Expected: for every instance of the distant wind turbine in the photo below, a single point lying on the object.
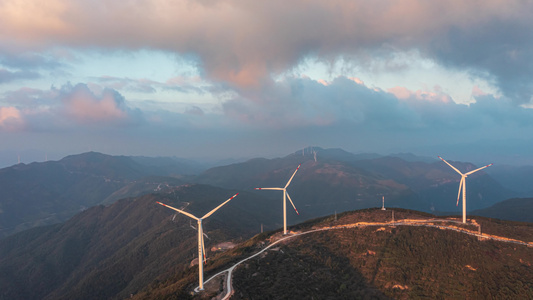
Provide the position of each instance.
(285, 196)
(462, 184)
(201, 246)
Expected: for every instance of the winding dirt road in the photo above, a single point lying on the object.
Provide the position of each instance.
(423, 223)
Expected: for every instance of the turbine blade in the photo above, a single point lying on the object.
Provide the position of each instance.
(451, 165)
(216, 208)
(275, 189)
(178, 210)
(459, 193)
(478, 169)
(289, 182)
(292, 203)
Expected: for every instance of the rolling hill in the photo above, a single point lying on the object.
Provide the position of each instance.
(111, 252)
(137, 248)
(46, 193)
(516, 209)
(372, 262)
(388, 263)
(51, 192)
(134, 248)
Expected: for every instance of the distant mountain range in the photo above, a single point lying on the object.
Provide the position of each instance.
(518, 179)
(105, 236)
(339, 181)
(51, 192)
(516, 209)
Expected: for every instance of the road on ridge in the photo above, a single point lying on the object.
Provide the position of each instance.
(229, 271)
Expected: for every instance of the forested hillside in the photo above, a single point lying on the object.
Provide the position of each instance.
(111, 252)
(376, 262)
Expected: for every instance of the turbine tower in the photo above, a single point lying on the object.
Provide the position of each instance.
(285, 196)
(462, 185)
(201, 247)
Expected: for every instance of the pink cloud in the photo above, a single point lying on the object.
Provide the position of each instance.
(10, 119)
(437, 95)
(64, 107)
(34, 22)
(476, 92)
(356, 80)
(243, 42)
(323, 82)
(400, 92)
(82, 106)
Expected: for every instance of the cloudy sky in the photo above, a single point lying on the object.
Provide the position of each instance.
(241, 78)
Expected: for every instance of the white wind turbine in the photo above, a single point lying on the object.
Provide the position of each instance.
(285, 196)
(462, 184)
(201, 247)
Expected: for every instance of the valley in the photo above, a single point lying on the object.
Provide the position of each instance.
(110, 239)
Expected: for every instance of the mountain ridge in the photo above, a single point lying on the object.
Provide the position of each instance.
(379, 262)
(135, 246)
(51, 192)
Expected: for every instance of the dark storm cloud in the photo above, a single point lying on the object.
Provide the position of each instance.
(501, 49)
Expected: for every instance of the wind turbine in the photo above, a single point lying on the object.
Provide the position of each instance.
(285, 196)
(192, 226)
(201, 247)
(462, 184)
